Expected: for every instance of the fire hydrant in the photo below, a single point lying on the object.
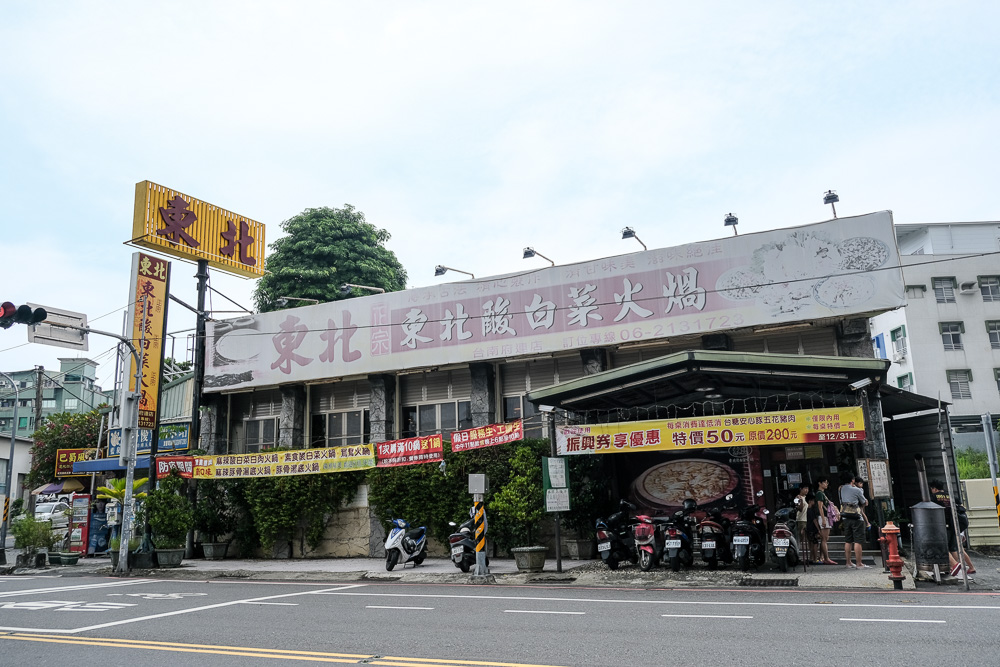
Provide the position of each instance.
(890, 535)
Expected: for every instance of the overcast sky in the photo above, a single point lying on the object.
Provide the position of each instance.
(471, 130)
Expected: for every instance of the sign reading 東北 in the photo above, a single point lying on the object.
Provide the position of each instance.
(422, 449)
(487, 436)
(147, 315)
(846, 267)
(270, 464)
(746, 430)
(177, 224)
(65, 458)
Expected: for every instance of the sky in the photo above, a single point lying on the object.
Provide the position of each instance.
(472, 130)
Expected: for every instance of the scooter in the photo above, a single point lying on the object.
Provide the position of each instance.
(749, 536)
(714, 531)
(679, 530)
(614, 537)
(648, 535)
(404, 545)
(784, 545)
(463, 542)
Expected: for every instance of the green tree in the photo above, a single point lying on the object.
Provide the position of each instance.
(63, 430)
(325, 248)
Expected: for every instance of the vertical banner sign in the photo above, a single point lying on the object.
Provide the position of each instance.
(147, 304)
(555, 484)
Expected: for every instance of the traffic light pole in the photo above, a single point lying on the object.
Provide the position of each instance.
(10, 469)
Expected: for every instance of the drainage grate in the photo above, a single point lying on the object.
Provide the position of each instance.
(749, 581)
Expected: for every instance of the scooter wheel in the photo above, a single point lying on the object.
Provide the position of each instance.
(464, 566)
(391, 559)
(675, 564)
(612, 563)
(713, 564)
(645, 561)
(744, 561)
(417, 560)
(783, 563)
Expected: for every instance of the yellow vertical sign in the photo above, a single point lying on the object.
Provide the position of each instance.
(147, 315)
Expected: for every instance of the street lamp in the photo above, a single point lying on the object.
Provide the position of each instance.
(629, 233)
(731, 221)
(283, 300)
(831, 198)
(346, 288)
(531, 252)
(441, 269)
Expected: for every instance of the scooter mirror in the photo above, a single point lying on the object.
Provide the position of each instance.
(452, 523)
(729, 497)
(767, 512)
(760, 493)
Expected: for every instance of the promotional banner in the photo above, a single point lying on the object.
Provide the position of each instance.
(270, 464)
(845, 267)
(422, 449)
(147, 314)
(487, 436)
(747, 430)
(65, 458)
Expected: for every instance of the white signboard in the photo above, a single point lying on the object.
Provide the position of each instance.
(557, 472)
(839, 268)
(878, 478)
(557, 500)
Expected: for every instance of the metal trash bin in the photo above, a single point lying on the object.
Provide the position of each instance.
(930, 535)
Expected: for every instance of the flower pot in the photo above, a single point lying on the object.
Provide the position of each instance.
(114, 559)
(55, 558)
(215, 550)
(169, 557)
(68, 557)
(141, 560)
(581, 549)
(529, 559)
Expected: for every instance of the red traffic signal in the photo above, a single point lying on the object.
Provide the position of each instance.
(7, 312)
(10, 314)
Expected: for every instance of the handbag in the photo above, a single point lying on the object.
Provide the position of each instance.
(832, 514)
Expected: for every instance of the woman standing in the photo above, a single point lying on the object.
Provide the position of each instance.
(824, 523)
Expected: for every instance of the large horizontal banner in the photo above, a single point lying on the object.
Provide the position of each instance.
(422, 449)
(65, 458)
(763, 428)
(840, 268)
(270, 464)
(487, 436)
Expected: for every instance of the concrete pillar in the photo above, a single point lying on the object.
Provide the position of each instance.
(483, 393)
(875, 446)
(382, 407)
(291, 421)
(212, 424)
(595, 360)
(854, 338)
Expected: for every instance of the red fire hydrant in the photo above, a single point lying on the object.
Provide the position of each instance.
(890, 535)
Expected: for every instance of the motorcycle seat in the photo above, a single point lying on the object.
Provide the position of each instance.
(416, 533)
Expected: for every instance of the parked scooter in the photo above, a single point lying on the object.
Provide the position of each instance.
(648, 534)
(679, 536)
(750, 536)
(404, 545)
(784, 543)
(615, 542)
(463, 542)
(715, 533)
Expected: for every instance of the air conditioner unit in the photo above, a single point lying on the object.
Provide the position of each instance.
(970, 287)
(898, 357)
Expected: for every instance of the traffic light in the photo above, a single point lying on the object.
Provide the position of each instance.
(11, 314)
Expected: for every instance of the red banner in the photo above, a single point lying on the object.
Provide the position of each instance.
(423, 449)
(65, 458)
(184, 465)
(487, 436)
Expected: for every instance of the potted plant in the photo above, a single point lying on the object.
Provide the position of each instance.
(114, 491)
(519, 504)
(170, 517)
(35, 538)
(214, 516)
(114, 546)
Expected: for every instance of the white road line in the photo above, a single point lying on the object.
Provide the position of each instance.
(277, 604)
(701, 616)
(814, 605)
(889, 620)
(375, 606)
(139, 619)
(529, 611)
(81, 587)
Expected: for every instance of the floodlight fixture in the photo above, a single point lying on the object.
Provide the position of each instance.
(629, 233)
(831, 198)
(347, 287)
(731, 221)
(531, 252)
(441, 269)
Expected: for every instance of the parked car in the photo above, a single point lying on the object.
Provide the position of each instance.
(53, 512)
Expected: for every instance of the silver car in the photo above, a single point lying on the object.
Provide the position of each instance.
(54, 512)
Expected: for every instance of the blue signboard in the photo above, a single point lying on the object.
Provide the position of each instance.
(173, 438)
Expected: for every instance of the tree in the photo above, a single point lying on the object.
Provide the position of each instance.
(63, 430)
(325, 248)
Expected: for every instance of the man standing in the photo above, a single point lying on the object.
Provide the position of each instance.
(940, 496)
(852, 503)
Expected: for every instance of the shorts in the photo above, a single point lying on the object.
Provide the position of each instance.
(952, 542)
(854, 531)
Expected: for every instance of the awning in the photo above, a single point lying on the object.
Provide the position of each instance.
(66, 486)
(106, 465)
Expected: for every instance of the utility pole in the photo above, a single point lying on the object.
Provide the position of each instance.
(39, 373)
(10, 469)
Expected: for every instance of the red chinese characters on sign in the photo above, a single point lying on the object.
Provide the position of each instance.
(184, 465)
(423, 449)
(65, 458)
(487, 436)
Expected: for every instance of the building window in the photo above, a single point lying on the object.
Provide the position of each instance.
(22, 422)
(431, 418)
(996, 376)
(898, 337)
(993, 330)
(944, 290)
(48, 403)
(915, 291)
(25, 403)
(7, 403)
(905, 382)
(951, 334)
(989, 286)
(350, 427)
(261, 434)
(959, 381)
(71, 404)
(516, 407)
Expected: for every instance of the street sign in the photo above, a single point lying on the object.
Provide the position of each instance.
(555, 484)
(46, 333)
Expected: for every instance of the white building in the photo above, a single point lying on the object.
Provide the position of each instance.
(946, 340)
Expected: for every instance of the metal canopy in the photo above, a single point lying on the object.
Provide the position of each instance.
(707, 377)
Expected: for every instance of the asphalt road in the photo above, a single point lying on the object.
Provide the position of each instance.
(92, 620)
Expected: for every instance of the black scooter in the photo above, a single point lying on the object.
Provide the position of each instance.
(614, 537)
(750, 536)
(463, 543)
(679, 536)
(715, 532)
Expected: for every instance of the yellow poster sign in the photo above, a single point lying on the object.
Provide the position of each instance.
(275, 464)
(793, 427)
(148, 317)
(177, 224)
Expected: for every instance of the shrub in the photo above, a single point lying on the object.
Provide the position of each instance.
(972, 463)
(169, 513)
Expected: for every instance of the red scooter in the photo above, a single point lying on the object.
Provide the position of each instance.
(647, 533)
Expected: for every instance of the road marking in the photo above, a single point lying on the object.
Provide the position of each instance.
(277, 604)
(81, 587)
(139, 619)
(814, 605)
(530, 611)
(375, 606)
(889, 620)
(700, 616)
(251, 652)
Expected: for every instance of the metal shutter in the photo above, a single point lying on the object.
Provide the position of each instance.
(820, 341)
(787, 343)
(266, 403)
(514, 378)
(748, 343)
(337, 396)
(461, 384)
